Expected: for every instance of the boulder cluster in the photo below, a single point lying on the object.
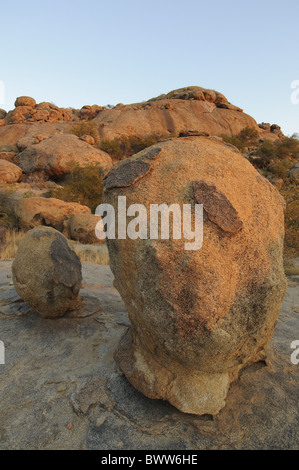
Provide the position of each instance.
(198, 316)
(27, 110)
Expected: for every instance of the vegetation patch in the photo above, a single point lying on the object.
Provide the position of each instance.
(87, 128)
(82, 185)
(247, 137)
(124, 147)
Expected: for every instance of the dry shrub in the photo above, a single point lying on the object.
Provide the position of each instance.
(82, 185)
(95, 254)
(10, 244)
(87, 128)
(247, 137)
(124, 147)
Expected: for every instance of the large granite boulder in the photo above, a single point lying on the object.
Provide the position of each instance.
(57, 155)
(167, 115)
(25, 101)
(47, 272)
(81, 227)
(3, 113)
(9, 172)
(197, 316)
(34, 211)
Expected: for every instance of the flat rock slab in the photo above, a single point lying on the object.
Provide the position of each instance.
(60, 387)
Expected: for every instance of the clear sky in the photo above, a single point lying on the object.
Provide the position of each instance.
(77, 52)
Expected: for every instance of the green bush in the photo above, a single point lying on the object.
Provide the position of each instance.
(87, 128)
(266, 153)
(284, 150)
(82, 185)
(124, 147)
(287, 147)
(280, 168)
(247, 137)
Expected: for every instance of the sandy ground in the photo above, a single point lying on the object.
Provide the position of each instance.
(60, 387)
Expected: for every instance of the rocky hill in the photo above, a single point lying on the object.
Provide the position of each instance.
(41, 145)
(166, 115)
(54, 163)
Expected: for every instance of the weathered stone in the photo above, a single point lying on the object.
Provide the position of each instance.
(294, 171)
(81, 227)
(57, 155)
(218, 207)
(198, 317)
(150, 155)
(275, 129)
(192, 132)
(25, 101)
(88, 112)
(265, 126)
(47, 272)
(39, 115)
(18, 115)
(34, 211)
(126, 174)
(3, 113)
(9, 172)
(195, 108)
(88, 139)
(25, 142)
(229, 106)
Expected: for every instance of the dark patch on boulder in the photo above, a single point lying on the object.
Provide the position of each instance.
(218, 207)
(41, 234)
(152, 154)
(126, 174)
(193, 132)
(67, 265)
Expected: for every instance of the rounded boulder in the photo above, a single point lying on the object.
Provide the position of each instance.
(198, 315)
(47, 272)
(25, 101)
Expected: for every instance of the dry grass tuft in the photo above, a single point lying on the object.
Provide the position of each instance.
(10, 244)
(95, 254)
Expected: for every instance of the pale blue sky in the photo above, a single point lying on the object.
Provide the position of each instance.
(105, 52)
